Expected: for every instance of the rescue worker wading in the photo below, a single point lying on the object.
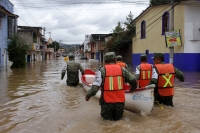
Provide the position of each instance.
(72, 69)
(111, 78)
(163, 76)
(143, 71)
(120, 62)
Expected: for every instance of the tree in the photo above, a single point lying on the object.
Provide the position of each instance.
(118, 28)
(54, 45)
(17, 49)
(157, 2)
(122, 37)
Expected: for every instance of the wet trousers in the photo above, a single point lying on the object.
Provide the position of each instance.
(112, 111)
(71, 84)
(166, 100)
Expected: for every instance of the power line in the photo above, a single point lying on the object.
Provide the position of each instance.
(45, 32)
(50, 7)
(44, 5)
(148, 30)
(62, 12)
(155, 21)
(85, 2)
(69, 17)
(28, 12)
(155, 15)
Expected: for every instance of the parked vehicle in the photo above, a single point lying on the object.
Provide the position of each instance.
(64, 55)
(83, 58)
(58, 54)
(93, 61)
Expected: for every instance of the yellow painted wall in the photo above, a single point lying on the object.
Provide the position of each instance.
(154, 41)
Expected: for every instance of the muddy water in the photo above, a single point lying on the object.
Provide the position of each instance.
(35, 100)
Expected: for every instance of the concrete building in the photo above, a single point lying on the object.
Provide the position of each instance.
(151, 26)
(95, 46)
(8, 23)
(35, 40)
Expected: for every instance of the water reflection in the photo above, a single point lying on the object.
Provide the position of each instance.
(192, 80)
(35, 100)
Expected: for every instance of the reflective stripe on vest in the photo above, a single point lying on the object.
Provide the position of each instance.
(145, 74)
(166, 75)
(167, 80)
(113, 84)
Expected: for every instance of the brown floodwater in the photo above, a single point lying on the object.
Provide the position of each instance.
(35, 100)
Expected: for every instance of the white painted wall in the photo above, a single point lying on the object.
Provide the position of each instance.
(192, 26)
(87, 39)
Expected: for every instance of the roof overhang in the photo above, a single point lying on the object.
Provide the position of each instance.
(5, 11)
(183, 2)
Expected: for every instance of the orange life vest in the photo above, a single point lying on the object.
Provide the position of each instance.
(113, 85)
(121, 64)
(145, 74)
(166, 75)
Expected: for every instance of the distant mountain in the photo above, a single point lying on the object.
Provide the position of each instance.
(69, 47)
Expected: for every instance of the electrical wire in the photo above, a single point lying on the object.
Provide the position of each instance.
(91, 30)
(155, 15)
(155, 21)
(34, 20)
(69, 17)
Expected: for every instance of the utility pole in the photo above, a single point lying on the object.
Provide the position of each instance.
(61, 47)
(55, 50)
(171, 55)
(43, 55)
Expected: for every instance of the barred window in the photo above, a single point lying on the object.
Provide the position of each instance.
(12, 23)
(143, 29)
(165, 22)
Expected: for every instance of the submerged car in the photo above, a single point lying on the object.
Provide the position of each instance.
(83, 58)
(93, 61)
(64, 55)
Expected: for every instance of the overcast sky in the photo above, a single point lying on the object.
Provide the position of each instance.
(69, 20)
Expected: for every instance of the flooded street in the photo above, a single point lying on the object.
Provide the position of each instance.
(36, 100)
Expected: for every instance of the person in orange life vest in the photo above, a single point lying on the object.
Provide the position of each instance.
(120, 62)
(143, 71)
(110, 78)
(163, 76)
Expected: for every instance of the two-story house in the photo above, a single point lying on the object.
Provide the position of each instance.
(8, 23)
(125, 52)
(152, 24)
(96, 46)
(85, 43)
(35, 40)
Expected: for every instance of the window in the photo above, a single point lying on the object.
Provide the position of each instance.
(165, 22)
(143, 29)
(12, 23)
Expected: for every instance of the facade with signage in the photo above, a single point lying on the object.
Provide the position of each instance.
(153, 34)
